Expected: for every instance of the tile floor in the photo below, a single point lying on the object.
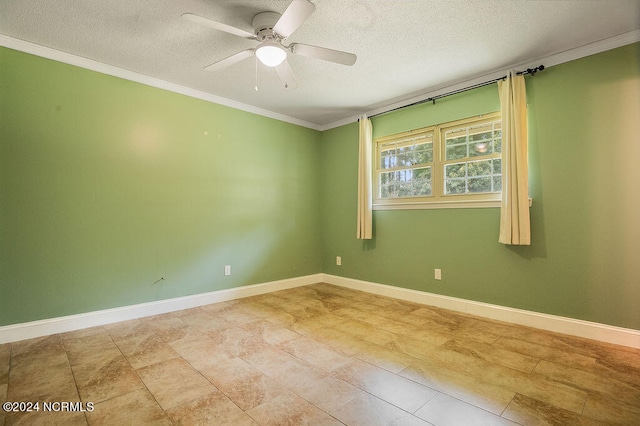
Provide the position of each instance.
(321, 355)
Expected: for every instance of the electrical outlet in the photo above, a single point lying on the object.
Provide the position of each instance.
(339, 260)
(227, 269)
(437, 274)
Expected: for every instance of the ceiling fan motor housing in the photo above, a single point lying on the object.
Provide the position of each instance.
(263, 24)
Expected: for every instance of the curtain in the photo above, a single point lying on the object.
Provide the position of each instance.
(364, 180)
(514, 209)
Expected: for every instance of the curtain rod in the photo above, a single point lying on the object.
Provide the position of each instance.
(531, 71)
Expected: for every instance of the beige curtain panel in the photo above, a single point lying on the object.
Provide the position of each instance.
(364, 180)
(514, 209)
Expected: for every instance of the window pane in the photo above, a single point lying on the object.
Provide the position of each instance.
(480, 148)
(497, 166)
(498, 144)
(497, 183)
(482, 184)
(423, 153)
(484, 136)
(455, 186)
(386, 178)
(422, 181)
(455, 140)
(385, 191)
(479, 168)
(388, 159)
(456, 151)
(405, 156)
(404, 189)
(457, 170)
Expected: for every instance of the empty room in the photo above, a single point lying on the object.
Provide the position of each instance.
(320, 212)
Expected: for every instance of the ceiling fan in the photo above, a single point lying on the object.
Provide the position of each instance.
(271, 30)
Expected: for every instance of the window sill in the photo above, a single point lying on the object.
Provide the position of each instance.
(427, 205)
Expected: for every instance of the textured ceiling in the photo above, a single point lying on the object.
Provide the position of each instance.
(404, 47)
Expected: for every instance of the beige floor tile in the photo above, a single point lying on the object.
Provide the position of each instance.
(338, 340)
(202, 353)
(315, 353)
(134, 408)
(531, 412)
(367, 410)
(215, 409)
(39, 379)
(3, 398)
(270, 313)
(240, 314)
(500, 356)
(38, 418)
(296, 375)
(144, 351)
(168, 327)
(216, 307)
(589, 382)
(330, 393)
(610, 410)
(5, 356)
(387, 386)
(105, 380)
(264, 356)
(537, 387)
(95, 349)
(191, 341)
(230, 340)
(124, 330)
(427, 351)
(244, 384)
(83, 333)
(454, 383)
(377, 321)
(382, 357)
(36, 350)
(559, 356)
(290, 409)
(203, 319)
(443, 410)
(322, 354)
(269, 332)
(175, 382)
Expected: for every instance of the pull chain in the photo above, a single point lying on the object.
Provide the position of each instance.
(256, 73)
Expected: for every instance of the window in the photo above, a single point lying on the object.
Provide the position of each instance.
(451, 163)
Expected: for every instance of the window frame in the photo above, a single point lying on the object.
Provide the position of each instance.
(438, 198)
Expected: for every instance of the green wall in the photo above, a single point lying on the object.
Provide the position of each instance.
(107, 185)
(584, 154)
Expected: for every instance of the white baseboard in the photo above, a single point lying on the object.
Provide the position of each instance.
(558, 324)
(29, 330)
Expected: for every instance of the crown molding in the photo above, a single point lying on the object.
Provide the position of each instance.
(548, 61)
(90, 64)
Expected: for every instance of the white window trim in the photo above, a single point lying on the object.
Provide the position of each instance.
(443, 201)
(446, 204)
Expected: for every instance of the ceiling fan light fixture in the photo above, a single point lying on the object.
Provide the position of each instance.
(271, 53)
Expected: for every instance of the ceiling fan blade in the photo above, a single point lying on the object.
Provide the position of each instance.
(323, 53)
(230, 60)
(297, 12)
(218, 25)
(286, 75)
